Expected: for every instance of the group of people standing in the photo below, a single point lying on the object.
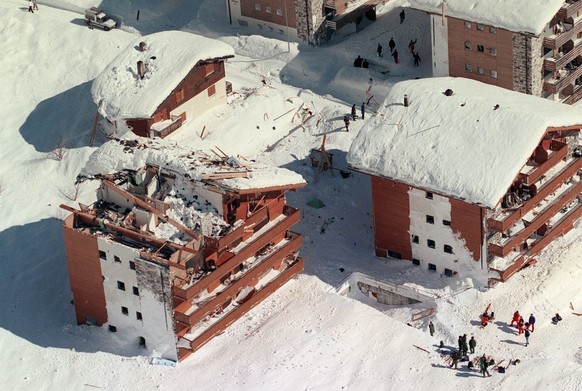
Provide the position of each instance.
(394, 52)
(522, 326)
(353, 115)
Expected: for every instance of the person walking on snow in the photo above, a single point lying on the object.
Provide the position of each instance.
(402, 16)
(354, 112)
(515, 318)
(472, 344)
(460, 342)
(416, 58)
(431, 328)
(465, 349)
(363, 109)
(30, 7)
(411, 46)
(456, 357)
(483, 364)
(395, 55)
(520, 326)
(527, 334)
(532, 322)
(391, 44)
(34, 5)
(347, 122)
(379, 50)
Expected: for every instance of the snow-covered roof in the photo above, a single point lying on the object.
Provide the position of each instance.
(530, 16)
(170, 55)
(118, 155)
(469, 146)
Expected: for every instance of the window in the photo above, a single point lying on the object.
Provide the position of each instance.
(211, 90)
(480, 48)
(138, 315)
(116, 259)
(268, 10)
(493, 51)
(142, 342)
(479, 27)
(481, 71)
(135, 290)
(446, 222)
(416, 262)
(492, 30)
(260, 26)
(124, 311)
(279, 12)
(430, 243)
(448, 272)
(257, 6)
(121, 285)
(429, 219)
(432, 267)
(448, 249)
(468, 45)
(468, 68)
(102, 255)
(429, 195)
(179, 95)
(112, 328)
(415, 239)
(468, 25)
(394, 254)
(132, 265)
(493, 74)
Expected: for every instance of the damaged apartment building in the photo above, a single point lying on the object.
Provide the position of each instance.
(179, 245)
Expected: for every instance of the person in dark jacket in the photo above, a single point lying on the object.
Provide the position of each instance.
(465, 349)
(456, 357)
(379, 50)
(483, 365)
(472, 344)
(363, 109)
(347, 122)
(527, 334)
(391, 44)
(411, 45)
(416, 58)
(460, 342)
(532, 322)
(395, 55)
(431, 328)
(402, 16)
(354, 112)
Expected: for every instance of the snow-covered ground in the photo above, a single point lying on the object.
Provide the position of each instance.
(306, 336)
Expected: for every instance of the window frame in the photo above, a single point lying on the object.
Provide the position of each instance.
(430, 243)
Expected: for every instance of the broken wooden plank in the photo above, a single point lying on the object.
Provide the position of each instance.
(418, 347)
(225, 175)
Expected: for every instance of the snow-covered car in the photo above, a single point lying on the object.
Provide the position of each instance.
(94, 17)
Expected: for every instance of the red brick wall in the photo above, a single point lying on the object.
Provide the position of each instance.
(248, 9)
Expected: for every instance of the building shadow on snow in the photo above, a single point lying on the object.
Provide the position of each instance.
(65, 119)
(503, 326)
(36, 300)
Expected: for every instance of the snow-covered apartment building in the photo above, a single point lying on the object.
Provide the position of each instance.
(161, 80)
(313, 21)
(470, 179)
(528, 46)
(179, 244)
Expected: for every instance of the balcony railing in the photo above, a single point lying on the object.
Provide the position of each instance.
(554, 86)
(559, 152)
(569, 9)
(557, 40)
(575, 97)
(558, 62)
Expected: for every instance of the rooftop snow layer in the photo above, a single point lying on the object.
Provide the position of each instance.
(170, 55)
(117, 155)
(461, 145)
(530, 16)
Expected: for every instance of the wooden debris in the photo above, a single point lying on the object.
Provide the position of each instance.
(225, 175)
(282, 115)
(202, 134)
(418, 347)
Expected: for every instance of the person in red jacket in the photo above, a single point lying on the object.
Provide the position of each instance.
(520, 326)
(515, 318)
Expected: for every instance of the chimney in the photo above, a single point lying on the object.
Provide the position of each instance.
(142, 46)
(405, 100)
(140, 69)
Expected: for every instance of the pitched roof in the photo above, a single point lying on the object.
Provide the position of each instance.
(170, 55)
(461, 146)
(530, 16)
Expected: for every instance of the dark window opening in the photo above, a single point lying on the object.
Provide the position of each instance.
(429, 219)
(112, 328)
(432, 267)
(480, 48)
(448, 249)
(416, 262)
(138, 315)
(124, 311)
(448, 272)
(142, 342)
(135, 291)
(429, 195)
(430, 243)
(132, 265)
(116, 259)
(415, 239)
(102, 255)
(394, 254)
(121, 285)
(446, 222)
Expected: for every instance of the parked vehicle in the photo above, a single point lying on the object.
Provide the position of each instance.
(94, 17)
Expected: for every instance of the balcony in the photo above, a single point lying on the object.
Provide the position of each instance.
(556, 41)
(509, 217)
(565, 78)
(569, 9)
(264, 236)
(575, 97)
(560, 61)
(558, 151)
(503, 247)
